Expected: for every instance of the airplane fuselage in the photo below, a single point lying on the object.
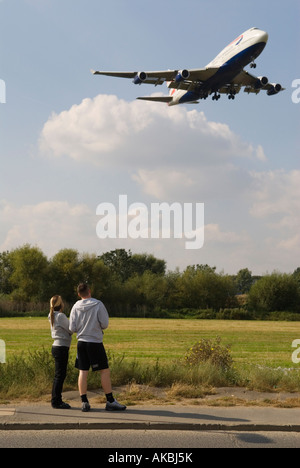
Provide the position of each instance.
(230, 62)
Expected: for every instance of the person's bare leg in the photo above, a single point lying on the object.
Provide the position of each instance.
(106, 381)
(82, 382)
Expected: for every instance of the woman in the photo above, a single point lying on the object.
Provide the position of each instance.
(60, 350)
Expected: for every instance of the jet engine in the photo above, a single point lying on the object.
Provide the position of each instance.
(140, 78)
(182, 75)
(261, 82)
(276, 88)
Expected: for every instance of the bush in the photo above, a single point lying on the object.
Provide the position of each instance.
(283, 316)
(275, 292)
(209, 351)
(234, 314)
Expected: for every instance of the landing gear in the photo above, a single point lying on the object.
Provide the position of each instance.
(232, 94)
(253, 64)
(216, 97)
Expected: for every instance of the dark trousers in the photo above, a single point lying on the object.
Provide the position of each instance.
(61, 356)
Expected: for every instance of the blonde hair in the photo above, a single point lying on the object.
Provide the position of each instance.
(56, 304)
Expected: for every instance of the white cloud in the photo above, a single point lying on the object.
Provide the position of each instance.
(277, 198)
(110, 132)
(178, 155)
(164, 184)
(51, 225)
(171, 153)
(213, 233)
(194, 183)
(291, 244)
(260, 154)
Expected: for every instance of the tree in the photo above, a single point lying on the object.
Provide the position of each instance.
(118, 261)
(29, 270)
(140, 263)
(147, 289)
(275, 292)
(296, 275)
(202, 288)
(93, 271)
(243, 281)
(124, 265)
(5, 273)
(65, 274)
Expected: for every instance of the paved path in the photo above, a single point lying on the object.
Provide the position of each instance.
(42, 416)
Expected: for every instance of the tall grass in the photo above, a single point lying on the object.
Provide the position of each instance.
(31, 376)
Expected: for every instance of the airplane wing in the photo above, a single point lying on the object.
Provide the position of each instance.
(156, 78)
(159, 77)
(254, 84)
(192, 81)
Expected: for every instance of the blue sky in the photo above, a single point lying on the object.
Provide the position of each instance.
(70, 141)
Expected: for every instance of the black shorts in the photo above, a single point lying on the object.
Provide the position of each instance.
(91, 355)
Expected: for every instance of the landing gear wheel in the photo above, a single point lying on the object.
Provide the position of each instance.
(232, 94)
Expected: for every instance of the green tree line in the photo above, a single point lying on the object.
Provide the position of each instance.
(139, 284)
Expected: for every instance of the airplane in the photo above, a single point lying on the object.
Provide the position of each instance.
(224, 75)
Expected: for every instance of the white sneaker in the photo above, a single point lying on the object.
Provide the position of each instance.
(115, 406)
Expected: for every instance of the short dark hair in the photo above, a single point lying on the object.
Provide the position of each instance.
(83, 289)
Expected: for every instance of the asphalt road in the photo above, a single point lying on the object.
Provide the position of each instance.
(135, 439)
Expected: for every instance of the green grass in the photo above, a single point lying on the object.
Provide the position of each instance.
(151, 352)
(266, 343)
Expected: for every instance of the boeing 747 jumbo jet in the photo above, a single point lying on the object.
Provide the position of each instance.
(224, 75)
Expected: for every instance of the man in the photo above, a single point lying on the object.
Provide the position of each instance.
(88, 319)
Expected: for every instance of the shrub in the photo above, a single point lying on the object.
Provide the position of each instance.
(209, 351)
(275, 292)
(234, 314)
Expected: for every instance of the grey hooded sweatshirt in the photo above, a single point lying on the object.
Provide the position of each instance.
(88, 318)
(60, 332)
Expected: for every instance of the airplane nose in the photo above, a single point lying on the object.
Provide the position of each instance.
(264, 36)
